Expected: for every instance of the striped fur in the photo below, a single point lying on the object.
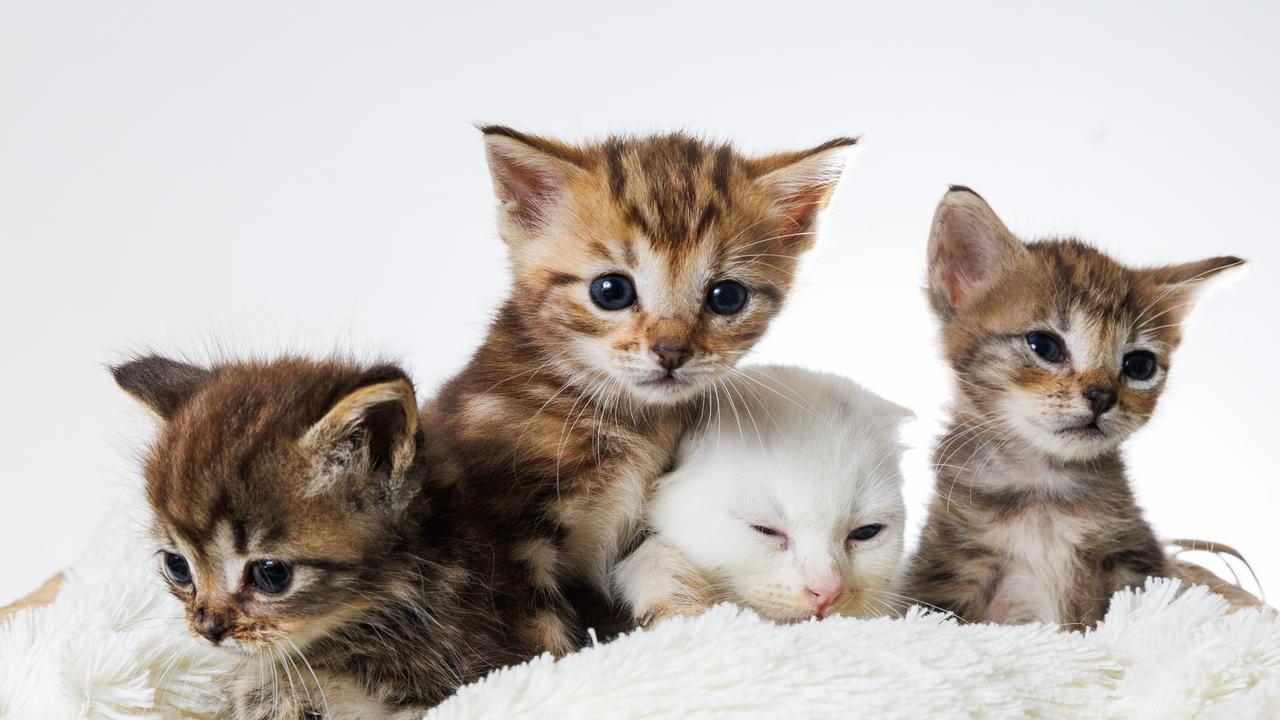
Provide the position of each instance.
(564, 415)
(1033, 518)
(399, 595)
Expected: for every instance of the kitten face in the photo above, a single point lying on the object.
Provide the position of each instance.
(648, 266)
(274, 489)
(1052, 342)
(804, 518)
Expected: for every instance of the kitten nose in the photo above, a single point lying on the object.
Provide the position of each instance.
(671, 354)
(213, 626)
(822, 595)
(1100, 399)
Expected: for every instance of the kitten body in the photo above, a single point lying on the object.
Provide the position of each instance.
(297, 527)
(788, 500)
(1059, 354)
(642, 270)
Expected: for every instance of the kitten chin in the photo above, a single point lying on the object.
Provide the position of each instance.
(296, 523)
(787, 501)
(1059, 353)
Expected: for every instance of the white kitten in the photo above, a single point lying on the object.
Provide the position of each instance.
(789, 502)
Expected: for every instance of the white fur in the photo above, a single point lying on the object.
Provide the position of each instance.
(809, 455)
(102, 650)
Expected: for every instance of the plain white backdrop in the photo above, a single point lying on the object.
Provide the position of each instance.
(253, 177)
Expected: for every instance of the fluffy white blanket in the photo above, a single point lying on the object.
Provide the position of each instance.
(113, 646)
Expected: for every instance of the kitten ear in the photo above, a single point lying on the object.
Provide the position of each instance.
(801, 183)
(163, 385)
(900, 414)
(372, 431)
(1183, 283)
(969, 248)
(1193, 274)
(530, 174)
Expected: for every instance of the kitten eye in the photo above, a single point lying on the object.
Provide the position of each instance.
(727, 297)
(176, 567)
(270, 576)
(866, 532)
(1046, 346)
(613, 292)
(766, 531)
(1140, 365)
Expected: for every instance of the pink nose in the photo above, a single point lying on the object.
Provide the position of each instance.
(823, 595)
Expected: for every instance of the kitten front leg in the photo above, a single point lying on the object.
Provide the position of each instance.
(262, 690)
(657, 582)
(285, 696)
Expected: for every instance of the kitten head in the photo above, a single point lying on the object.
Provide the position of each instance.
(652, 264)
(793, 506)
(1053, 342)
(275, 488)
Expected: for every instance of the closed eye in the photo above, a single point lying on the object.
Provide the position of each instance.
(866, 532)
(765, 530)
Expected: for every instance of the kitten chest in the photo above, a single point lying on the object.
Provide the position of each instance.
(1039, 565)
(608, 510)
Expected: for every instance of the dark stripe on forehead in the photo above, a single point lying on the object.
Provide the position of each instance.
(219, 510)
(637, 220)
(709, 215)
(629, 252)
(241, 534)
(692, 152)
(617, 177)
(720, 172)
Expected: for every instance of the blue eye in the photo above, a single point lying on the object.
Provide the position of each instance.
(727, 297)
(866, 532)
(613, 292)
(176, 567)
(1046, 346)
(270, 576)
(1140, 365)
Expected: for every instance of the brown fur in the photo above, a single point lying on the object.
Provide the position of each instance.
(554, 426)
(1033, 519)
(399, 594)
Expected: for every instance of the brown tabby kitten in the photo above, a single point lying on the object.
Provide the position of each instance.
(1059, 354)
(643, 269)
(289, 505)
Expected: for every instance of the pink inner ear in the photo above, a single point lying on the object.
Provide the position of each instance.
(526, 189)
(801, 207)
(969, 247)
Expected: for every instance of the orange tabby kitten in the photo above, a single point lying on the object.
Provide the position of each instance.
(1059, 353)
(643, 269)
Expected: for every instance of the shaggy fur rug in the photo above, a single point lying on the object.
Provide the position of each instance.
(113, 645)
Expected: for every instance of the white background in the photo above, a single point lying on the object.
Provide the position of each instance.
(264, 176)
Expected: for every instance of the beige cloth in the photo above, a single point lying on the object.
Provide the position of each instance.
(43, 596)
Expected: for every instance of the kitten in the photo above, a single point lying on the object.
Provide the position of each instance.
(791, 506)
(1059, 353)
(642, 270)
(289, 506)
